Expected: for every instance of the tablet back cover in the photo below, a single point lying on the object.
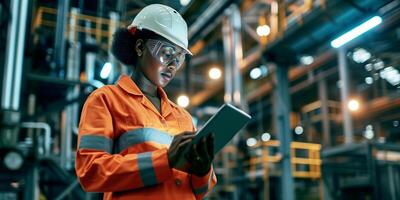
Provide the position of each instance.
(224, 124)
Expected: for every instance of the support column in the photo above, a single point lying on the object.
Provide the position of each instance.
(282, 123)
(60, 43)
(71, 112)
(344, 93)
(233, 54)
(323, 97)
(114, 19)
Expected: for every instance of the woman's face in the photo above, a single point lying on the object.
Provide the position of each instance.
(155, 52)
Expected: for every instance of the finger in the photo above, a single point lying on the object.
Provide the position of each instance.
(202, 150)
(187, 133)
(179, 138)
(184, 143)
(193, 154)
(185, 137)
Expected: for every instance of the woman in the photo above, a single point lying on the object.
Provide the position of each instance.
(132, 139)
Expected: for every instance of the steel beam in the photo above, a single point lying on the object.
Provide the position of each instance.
(344, 93)
(60, 43)
(282, 123)
(323, 96)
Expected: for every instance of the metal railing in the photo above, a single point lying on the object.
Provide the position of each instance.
(100, 28)
(306, 161)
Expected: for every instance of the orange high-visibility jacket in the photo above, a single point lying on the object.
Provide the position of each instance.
(123, 142)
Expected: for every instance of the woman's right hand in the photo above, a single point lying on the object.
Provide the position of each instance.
(178, 145)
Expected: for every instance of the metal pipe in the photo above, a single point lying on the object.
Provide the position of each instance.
(47, 133)
(237, 55)
(72, 92)
(227, 40)
(10, 56)
(19, 55)
(114, 23)
(59, 54)
(344, 93)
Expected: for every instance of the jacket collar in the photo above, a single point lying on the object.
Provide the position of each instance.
(129, 86)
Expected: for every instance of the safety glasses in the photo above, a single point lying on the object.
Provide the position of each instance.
(166, 53)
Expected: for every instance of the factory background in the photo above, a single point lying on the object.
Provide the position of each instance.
(320, 79)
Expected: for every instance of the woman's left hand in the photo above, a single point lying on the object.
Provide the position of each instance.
(201, 156)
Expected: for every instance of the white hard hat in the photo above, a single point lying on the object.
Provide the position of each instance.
(164, 21)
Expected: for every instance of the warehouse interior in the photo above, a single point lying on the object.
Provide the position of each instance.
(320, 79)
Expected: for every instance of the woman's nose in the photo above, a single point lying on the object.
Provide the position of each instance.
(172, 66)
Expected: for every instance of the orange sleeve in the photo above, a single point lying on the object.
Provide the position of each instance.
(99, 170)
(202, 185)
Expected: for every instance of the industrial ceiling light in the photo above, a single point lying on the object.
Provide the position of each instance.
(259, 72)
(379, 64)
(369, 132)
(251, 142)
(298, 130)
(369, 67)
(391, 75)
(353, 105)
(255, 73)
(215, 73)
(306, 60)
(183, 101)
(361, 55)
(263, 30)
(265, 137)
(106, 70)
(369, 80)
(13, 160)
(184, 2)
(357, 31)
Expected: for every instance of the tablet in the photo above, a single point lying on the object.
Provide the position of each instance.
(228, 121)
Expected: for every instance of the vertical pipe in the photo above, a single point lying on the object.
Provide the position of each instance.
(90, 56)
(344, 93)
(226, 32)
(282, 120)
(71, 111)
(237, 55)
(114, 19)
(59, 54)
(10, 56)
(19, 55)
(323, 96)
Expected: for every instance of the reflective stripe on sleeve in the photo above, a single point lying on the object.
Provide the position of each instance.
(96, 142)
(142, 135)
(146, 169)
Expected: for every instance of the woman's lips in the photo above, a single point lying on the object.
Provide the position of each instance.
(166, 76)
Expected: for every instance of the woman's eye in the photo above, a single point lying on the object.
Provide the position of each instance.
(169, 51)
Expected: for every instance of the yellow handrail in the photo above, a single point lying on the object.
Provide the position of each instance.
(100, 27)
(312, 158)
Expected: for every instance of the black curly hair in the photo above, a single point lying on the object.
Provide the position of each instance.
(123, 45)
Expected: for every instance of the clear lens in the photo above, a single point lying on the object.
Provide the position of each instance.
(165, 53)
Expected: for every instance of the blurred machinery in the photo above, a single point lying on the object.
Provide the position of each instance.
(326, 119)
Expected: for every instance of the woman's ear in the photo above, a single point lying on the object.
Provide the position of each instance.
(139, 47)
